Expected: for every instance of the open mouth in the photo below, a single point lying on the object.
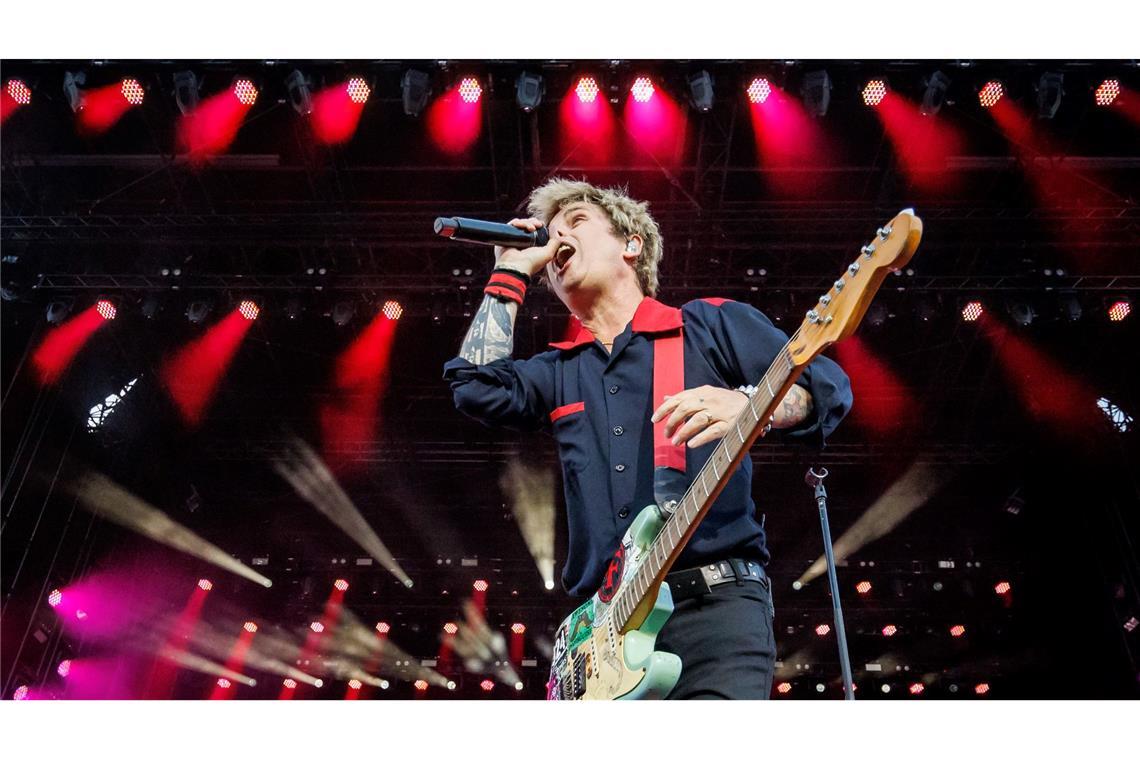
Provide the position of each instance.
(562, 257)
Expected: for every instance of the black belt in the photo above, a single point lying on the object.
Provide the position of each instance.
(686, 584)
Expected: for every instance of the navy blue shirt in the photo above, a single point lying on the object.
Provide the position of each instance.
(597, 406)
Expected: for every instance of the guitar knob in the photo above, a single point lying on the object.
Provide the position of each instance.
(853, 268)
(868, 250)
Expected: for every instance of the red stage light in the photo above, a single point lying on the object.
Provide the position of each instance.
(642, 89)
(451, 629)
(981, 688)
(205, 585)
(1107, 92)
(251, 627)
(518, 628)
(317, 627)
(55, 597)
(289, 683)
(917, 688)
(1119, 310)
(470, 90)
(971, 311)
(784, 688)
(358, 90)
(890, 630)
(224, 683)
(20, 694)
(19, 92)
(587, 90)
(863, 587)
(341, 585)
(480, 585)
(874, 92)
(245, 91)
(421, 685)
(487, 684)
(990, 93)
(393, 310)
(249, 310)
(133, 92)
(823, 629)
(957, 631)
(106, 310)
(383, 627)
(354, 684)
(759, 90)
(1002, 588)
(64, 668)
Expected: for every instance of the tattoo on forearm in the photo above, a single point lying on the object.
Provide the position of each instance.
(492, 332)
(795, 408)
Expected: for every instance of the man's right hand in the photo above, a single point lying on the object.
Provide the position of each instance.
(529, 261)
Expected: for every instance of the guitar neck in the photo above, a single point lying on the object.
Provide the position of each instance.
(706, 486)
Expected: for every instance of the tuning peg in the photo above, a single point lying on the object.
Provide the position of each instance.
(868, 250)
(884, 232)
(853, 268)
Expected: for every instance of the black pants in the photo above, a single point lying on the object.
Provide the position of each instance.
(725, 641)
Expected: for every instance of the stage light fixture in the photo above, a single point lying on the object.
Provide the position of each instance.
(518, 685)
(1119, 418)
(878, 314)
(72, 82)
(197, 311)
(784, 688)
(358, 90)
(822, 629)
(874, 92)
(917, 688)
(972, 311)
(416, 89)
(289, 683)
(249, 310)
(355, 684)
(486, 684)
(1050, 90)
(1118, 310)
(186, 91)
(20, 694)
(642, 89)
(393, 310)
(343, 312)
(1107, 92)
(293, 309)
(587, 90)
(450, 629)
(299, 92)
(250, 627)
(480, 585)
(529, 89)
(341, 584)
(469, 90)
(205, 584)
(224, 683)
(518, 628)
(863, 587)
(758, 90)
(1002, 587)
(982, 688)
(317, 627)
(958, 631)
(701, 91)
(1020, 312)
(421, 685)
(1070, 307)
(57, 311)
(19, 92)
(889, 630)
(133, 92)
(990, 93)
(245, 91)
(935, 93)
(55, 597)
(815, 91)
(64, 668)
(106, 309)
(383, 627)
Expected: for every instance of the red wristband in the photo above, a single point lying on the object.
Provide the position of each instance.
(507, 285)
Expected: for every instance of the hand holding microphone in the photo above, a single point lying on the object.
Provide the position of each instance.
(521, 244)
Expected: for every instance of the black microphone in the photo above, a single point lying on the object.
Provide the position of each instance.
(489, 233)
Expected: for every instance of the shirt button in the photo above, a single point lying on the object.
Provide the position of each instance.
(619, 430)
(624, 513)
(620, 468)
(613, 389)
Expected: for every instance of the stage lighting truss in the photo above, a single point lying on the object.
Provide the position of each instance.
(1050, 90)
(300, 93)
(186, 91)
(72, 82)
(815, 91)
(701, 91)
(416, 89)
(934, 94)
(529, 89)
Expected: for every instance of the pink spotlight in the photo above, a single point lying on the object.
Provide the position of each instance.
(874, 92)
(249, 310)
(1107, 92)
(20, 694)
(55, 597)
(383, 627)
(642, 89)
(587, 90)
(470, 90)
(890, 630)
(106, 310)
(421, 685)
(784, 688)
(64, 668)
(317, 627)
(480, 585)
(450, 629)
(1002, 588)
(289, 683)
(205, 585)
(990, 93)
(245, 91)
(982, 688)
(863, 587)
(518, 628)
(822, 629)
(251, 627)
(972, 311)
(341, 585)
(19, 92)
(917, 688)
(355, 684)
(1119, 310)
(224, 683)
(958, 630)
(133, 92)
(393, 310)
(358, 90)
(759, 90)
(486, 684)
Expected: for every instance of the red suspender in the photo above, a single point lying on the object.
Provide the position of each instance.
(668, 380)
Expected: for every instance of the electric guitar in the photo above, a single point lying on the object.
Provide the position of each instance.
(605, 648)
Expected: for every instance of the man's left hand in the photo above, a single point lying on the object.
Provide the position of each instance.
(700, 415)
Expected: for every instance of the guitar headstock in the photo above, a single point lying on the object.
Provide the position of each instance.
(838, 312)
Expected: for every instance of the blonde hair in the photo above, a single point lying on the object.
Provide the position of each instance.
(627, 217)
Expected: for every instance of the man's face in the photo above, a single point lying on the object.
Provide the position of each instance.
(592, 255)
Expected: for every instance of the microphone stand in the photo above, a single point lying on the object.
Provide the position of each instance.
(815, 479)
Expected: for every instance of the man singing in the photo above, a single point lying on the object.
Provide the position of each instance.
(594, 394)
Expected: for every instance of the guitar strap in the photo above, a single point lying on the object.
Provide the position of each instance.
(668, 380)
